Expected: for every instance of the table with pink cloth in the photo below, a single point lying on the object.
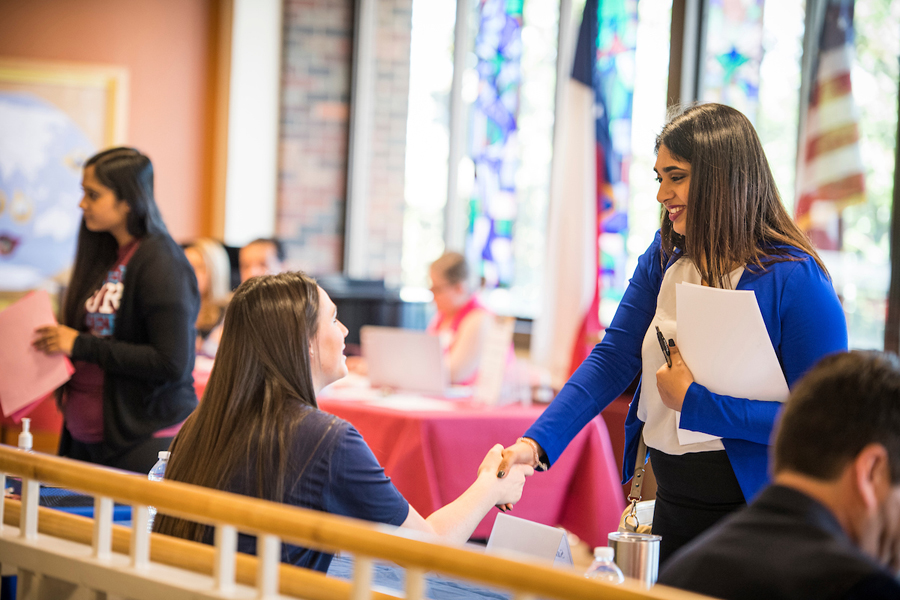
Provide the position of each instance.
(433, 455)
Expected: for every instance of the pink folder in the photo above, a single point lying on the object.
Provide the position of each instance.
(26, 375)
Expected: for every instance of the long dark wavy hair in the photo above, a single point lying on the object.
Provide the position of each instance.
(259, 391)
(129, 174)
(735, 212)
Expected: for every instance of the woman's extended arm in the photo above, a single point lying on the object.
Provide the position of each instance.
(357, 487)
(605, 373)
(455, 522)
(811, 324)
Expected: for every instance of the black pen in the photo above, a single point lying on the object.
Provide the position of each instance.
(664, 346)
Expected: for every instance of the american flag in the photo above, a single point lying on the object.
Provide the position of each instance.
(830, 173)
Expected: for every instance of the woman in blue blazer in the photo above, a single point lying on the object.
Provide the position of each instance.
(723, 225)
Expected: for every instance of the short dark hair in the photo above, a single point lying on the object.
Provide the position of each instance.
(452, 265)
(846, 402)
(276, 243)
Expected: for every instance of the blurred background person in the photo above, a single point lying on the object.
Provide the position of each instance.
(829, 525)
(210, 262)
(262, 256)
(461, 321)
(127, 322)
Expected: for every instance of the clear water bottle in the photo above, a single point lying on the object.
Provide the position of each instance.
(156, 474)
(604, 567)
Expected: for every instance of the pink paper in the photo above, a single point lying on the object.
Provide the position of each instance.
(26, 375)
(27, 410)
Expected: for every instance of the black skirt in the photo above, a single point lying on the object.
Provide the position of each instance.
(694, 491)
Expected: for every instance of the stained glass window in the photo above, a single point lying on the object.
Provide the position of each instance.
(733, 54)
(494, 141)
(614, 84)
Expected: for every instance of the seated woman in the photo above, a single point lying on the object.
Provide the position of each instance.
(461, 321)
(213, 271)
(259, 432)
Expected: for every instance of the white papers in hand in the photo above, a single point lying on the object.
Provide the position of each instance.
(723, 341)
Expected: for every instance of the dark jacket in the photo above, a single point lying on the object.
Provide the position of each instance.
(148, 362)
(785, 545)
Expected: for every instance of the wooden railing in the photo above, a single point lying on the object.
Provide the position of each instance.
(54, 552)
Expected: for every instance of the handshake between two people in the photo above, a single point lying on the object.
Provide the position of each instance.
(513, 459)
(507, 489)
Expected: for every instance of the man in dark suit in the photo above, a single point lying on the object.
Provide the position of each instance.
(829, 525)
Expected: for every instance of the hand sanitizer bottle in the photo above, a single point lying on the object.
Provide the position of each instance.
(26, 440)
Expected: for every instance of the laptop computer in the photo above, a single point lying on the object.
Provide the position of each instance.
(404, 359)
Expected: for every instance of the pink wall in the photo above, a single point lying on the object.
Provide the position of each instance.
(166, 46)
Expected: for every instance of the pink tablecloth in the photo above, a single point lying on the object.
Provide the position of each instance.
(432, 457)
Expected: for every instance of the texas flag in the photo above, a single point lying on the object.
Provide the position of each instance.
(588, 189)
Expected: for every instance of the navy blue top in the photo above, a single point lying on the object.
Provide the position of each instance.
(804, 320)
(333, 471)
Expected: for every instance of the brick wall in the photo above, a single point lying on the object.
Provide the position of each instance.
(315, 109)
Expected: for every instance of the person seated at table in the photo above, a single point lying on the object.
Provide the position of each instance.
(461, 320)
(213, 270)
(262, 256)
(829, 525)
(259, 432)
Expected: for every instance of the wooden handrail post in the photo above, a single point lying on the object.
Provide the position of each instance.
(2, 504)
(140, 536)
(362, 578)
(31, 495)
(268, 548)
(226, 553)
(415, 584)
(103, 509)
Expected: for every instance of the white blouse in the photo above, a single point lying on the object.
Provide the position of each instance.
(660, 425)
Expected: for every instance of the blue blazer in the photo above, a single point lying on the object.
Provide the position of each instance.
(805, 322)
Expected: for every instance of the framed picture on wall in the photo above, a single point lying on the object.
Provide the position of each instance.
(53, 116)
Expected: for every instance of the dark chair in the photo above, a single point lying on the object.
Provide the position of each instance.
(369, 302)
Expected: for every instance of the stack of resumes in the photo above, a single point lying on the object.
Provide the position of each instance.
(723, 339)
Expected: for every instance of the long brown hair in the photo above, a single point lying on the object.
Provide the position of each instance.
(129, 174)
(735, 212)
(259, 391)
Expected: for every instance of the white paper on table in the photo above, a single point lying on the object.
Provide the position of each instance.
(413, 403)
(724, 342)
(527, 537)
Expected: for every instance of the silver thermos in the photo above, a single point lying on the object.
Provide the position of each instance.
(637, 554)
